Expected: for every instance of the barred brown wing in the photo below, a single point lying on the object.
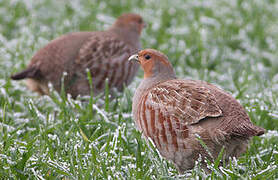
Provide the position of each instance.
(106, 57)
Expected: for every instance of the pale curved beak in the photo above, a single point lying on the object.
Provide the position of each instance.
(134, 57)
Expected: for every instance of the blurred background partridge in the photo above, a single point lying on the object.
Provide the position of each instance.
(104, 53)
(172, 112)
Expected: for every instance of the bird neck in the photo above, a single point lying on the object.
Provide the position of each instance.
(130, 36)
(157, 73)
(153, 80)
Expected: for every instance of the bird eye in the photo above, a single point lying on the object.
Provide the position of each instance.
(140, 21)
(147, 57)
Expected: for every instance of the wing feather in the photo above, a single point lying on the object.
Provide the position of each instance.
(105, 56)
(185, 100)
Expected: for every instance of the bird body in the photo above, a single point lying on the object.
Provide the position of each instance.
(103, 53)
(172, 112)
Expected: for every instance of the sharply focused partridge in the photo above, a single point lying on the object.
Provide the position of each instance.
(104, 53)
(174, 112)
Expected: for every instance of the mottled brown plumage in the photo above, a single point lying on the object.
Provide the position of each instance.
(172, 112)
(103, 53)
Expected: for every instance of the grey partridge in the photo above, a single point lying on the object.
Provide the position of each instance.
(104, 53)
(174, 112)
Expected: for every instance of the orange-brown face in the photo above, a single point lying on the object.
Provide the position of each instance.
(147, 62)
(131, 20)
(151, 60)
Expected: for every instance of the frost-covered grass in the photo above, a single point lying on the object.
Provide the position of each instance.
(231, 43)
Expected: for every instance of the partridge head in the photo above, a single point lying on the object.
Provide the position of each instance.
(173, 112)
(103, 53)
